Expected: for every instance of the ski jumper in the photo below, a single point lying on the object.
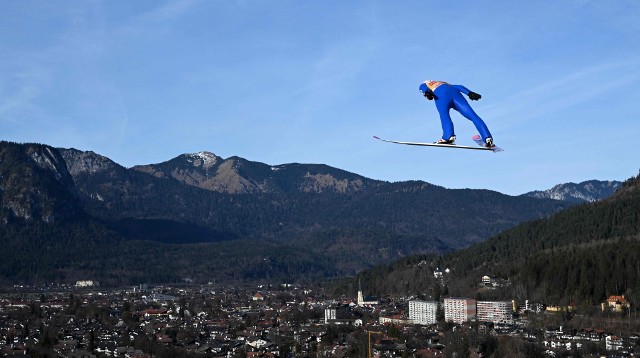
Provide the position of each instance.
(449, 96)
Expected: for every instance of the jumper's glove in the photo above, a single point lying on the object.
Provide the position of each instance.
(429, 95)
(474, 96)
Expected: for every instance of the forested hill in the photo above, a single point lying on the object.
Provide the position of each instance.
(610, 220)
(580, 255)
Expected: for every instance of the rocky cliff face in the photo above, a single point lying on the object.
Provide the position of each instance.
(240, 176)
(588, 191)
(35, 184)
(79, 162)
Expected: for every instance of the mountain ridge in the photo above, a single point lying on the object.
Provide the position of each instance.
(237, 175)
(336, 221)
(586, 191)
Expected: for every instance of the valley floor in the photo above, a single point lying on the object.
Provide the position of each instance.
(281, 321)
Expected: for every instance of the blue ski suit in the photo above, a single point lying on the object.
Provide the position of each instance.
(449, 96)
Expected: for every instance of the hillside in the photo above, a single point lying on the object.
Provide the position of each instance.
(617, 217)
(585, 253)
(77, 214)
(580, 255)
(297, 201)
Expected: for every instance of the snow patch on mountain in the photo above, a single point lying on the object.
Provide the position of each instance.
(203, 159)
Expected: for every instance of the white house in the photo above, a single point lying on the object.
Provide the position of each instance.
(613, 343)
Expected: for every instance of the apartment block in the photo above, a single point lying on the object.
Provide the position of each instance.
(459, 310)
(423, 312)
(494, 311)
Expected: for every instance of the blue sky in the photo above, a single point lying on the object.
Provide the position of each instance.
(312, 81)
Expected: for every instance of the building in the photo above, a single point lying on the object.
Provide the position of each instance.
(614, 343)
(423, 312)
(534, 307)
(568, 308)
(86, 283)
(395, 319)
(337, 315)
(329, 314)
(616, 304)
(365, 301)
(487, 281)
(437, 273)
(494, 311)
(459, 310)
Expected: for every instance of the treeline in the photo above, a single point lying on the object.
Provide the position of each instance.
(584, 274)
(67, 252)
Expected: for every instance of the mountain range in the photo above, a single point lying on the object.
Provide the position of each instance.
(70, 214)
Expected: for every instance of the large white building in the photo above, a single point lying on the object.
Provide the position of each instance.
(459, 310)
(86, 283)
(423, 312)
(329, 314)
(495, 311)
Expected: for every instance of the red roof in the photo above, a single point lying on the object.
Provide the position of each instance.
(154, 311)
(613, 299)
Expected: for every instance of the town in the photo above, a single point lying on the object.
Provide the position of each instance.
(287, 320)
